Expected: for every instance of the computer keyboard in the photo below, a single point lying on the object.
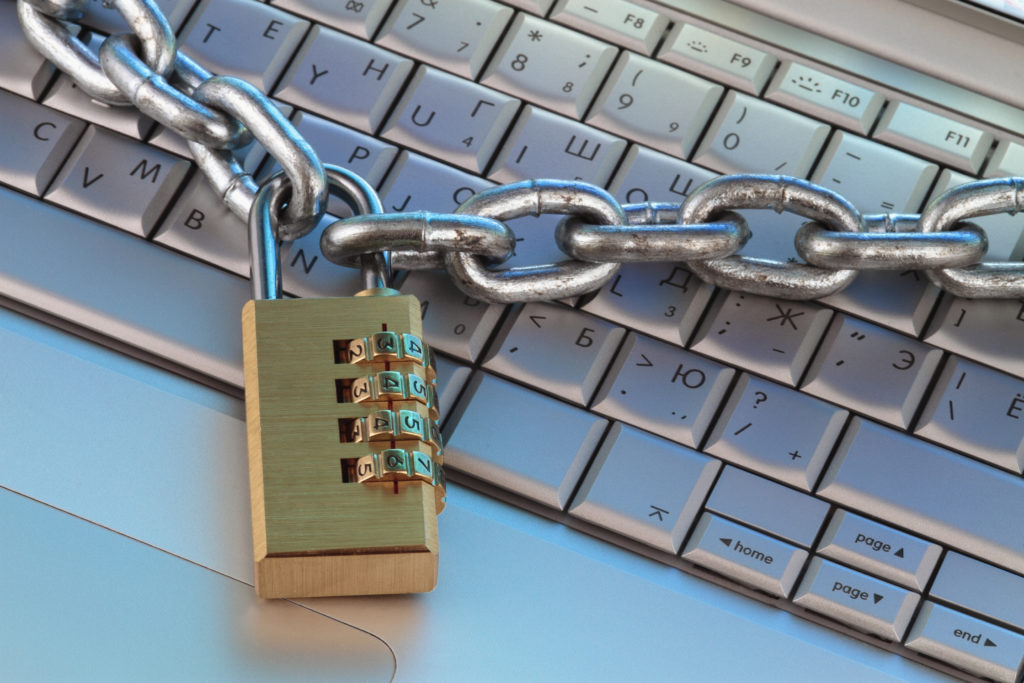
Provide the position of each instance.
(858, 457)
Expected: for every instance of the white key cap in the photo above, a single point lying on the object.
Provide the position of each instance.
(454, 36)
(118, 180)
(644, 487)
(717, 57)
(545, 145)
(872, 371)
(369, 157)
(825, 96)
(245, 39)
(663, 389)
(360, 18)
(521, 440)
(902, 301)
(202, 226)
(1007, 159)
(305, 271)
(25, 71)
(970, 644)
(745, 555)
(1005, 231)
(770, 336)
(880, 550)
(451, 118)
(66, 96)
(929, 491)
(622, 23)
(555, 349)
(875, 178)
(416, 183)
(980, 588)
(751, 135)
(767, 506)
(933, 135)
(988, 330)
(979, 411)
(629, 104)
(867, 604)
(344, 79)
(105, 18)
(550, 65)
(452, 321)
(169, 305)
(756, 430)
(663, 301)
(645, 175)
(534, 6)
(38, 140)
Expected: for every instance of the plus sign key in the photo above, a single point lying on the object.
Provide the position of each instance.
(871, 370)
(756, 430)
(772, 337)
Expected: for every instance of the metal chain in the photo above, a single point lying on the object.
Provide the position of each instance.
(216, 114)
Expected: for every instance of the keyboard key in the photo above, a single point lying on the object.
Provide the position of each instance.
(622, 23)
(555, 349)
(990, 331)
(119, 181)
(245, 39)
(716, 57)
(451, 118)
(344, 79)
(935, 136)
(663, 301)
(979, 411)
(629, 104)
(451, 378)
(452, 321)
(752, 136)
(305, 271)
(980, 588)
(550, 65)
(454, 36)
(38, 141)
(824, 96)
(369, 157)
(534, 6)
(663, 389)
(521, 440)
(146, 296)
(202, 226)
(769, 336)
(648, 176)
(967, 643)
(872, 371)
(361, 18)
(1007, 159)
(646, 488)
(880, 550)
(767, 506)
(867, 604)
(416, 183)
(902, 301)
(23, 70)
(545, 145)
(929, 491)
(745, 555)
(756, 430)
(105, 18)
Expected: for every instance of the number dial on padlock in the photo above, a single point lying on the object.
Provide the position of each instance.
(344, 451)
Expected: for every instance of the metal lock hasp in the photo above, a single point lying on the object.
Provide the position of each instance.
(344, 448)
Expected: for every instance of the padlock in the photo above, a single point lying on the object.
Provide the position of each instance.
(345, 455)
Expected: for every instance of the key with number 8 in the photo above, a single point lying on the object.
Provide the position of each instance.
(345, 457)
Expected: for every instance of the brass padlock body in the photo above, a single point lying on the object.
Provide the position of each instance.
(315, 534)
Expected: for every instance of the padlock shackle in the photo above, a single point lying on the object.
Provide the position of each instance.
(264, 246)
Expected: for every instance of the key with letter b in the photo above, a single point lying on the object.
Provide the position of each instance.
(344, 448)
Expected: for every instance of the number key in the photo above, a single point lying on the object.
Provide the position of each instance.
(873, 371)
(550, 64)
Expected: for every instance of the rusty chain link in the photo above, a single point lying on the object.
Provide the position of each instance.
(215, 114)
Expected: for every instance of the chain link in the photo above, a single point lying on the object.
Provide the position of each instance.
(215, 114)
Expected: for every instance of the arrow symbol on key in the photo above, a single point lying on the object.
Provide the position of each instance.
(878, 598)
(647, 362)
(727, 542)
(536, 318)
(898, 553)
(659, 512)
(989, 643)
